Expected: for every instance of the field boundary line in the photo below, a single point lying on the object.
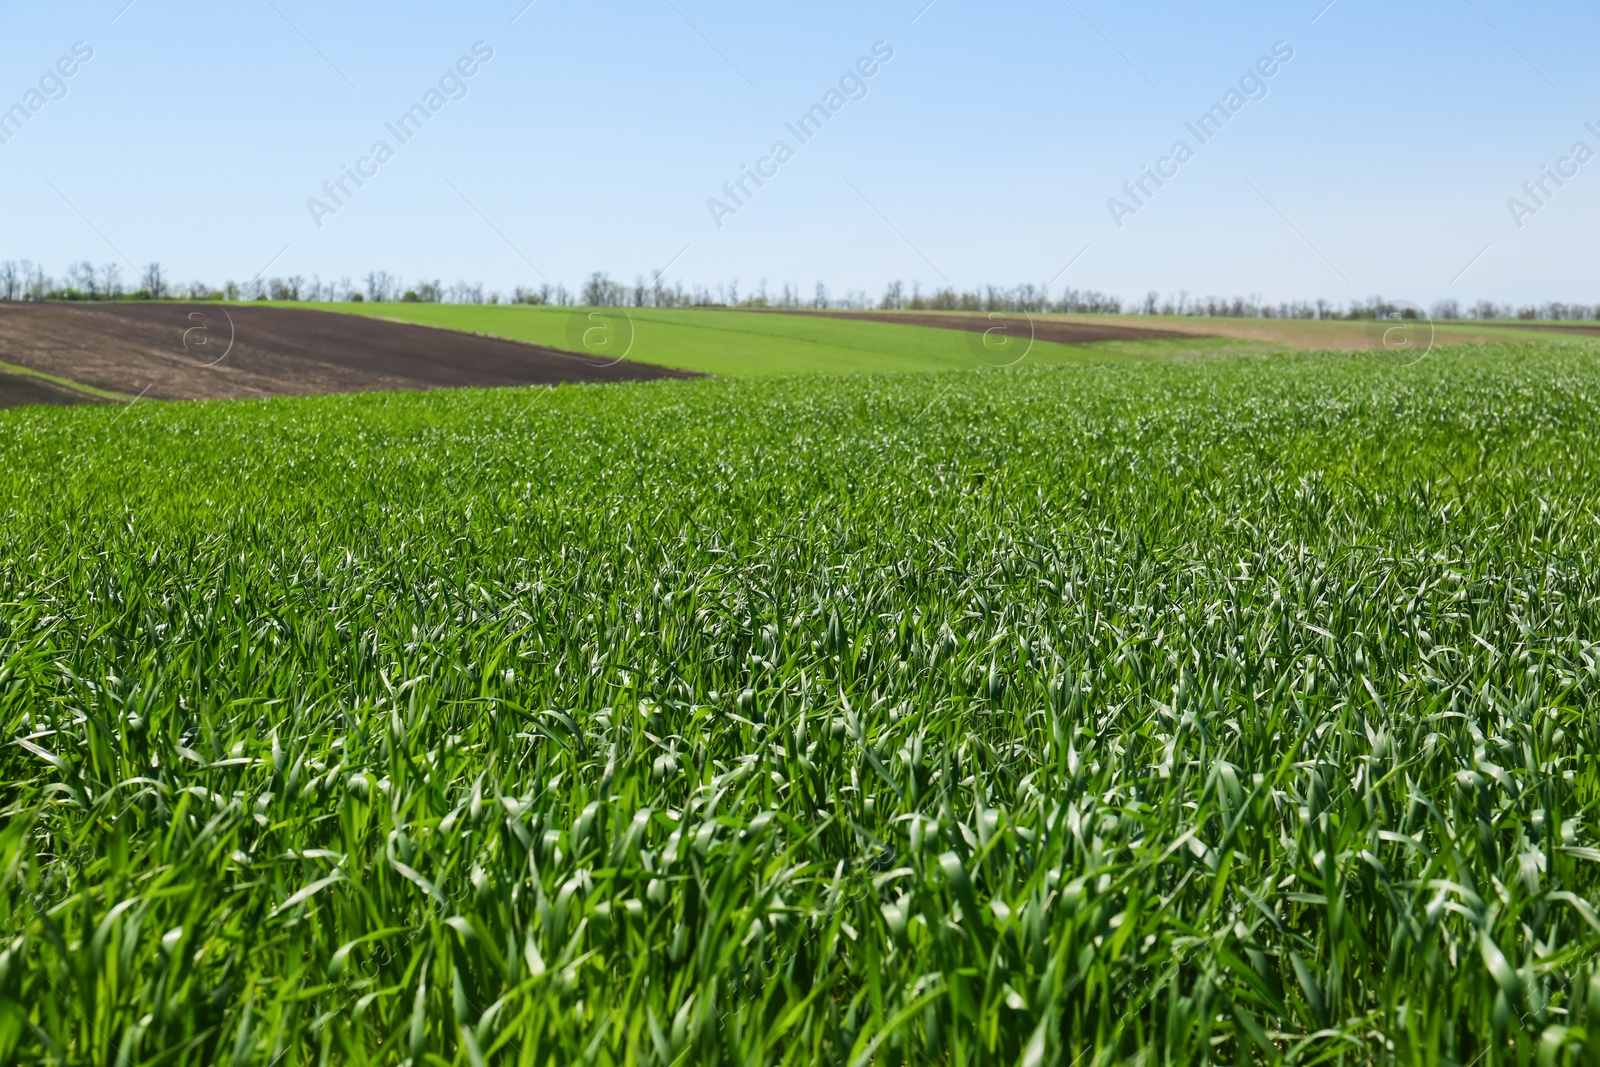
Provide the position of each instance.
(66, 383)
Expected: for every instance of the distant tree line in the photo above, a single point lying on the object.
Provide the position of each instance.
(1371, 308)
(24, 280)
(601, 291)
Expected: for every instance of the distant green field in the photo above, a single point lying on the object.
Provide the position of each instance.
(755, 344)
(1223, 711)
(760, 344)
(1346, 334)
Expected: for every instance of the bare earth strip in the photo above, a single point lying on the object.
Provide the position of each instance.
(1054, 330)
(1333, 335)
(181, 352)
(17, 390)
(1326, 335)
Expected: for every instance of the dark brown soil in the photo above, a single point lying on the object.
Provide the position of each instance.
(17, 390)
(1066, 333)
(182, 352)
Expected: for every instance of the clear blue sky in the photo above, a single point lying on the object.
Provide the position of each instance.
(1380, 161)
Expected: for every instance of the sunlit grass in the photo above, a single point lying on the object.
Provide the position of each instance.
(1240, 711)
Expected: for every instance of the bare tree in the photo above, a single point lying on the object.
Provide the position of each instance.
(35, 283)
(380, 286)
(154, 282)
(111, 281)
(598, 290)
(10, 281)
(821, 297)
(81, 276)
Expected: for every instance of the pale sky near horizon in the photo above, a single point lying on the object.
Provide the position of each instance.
(1379, 161)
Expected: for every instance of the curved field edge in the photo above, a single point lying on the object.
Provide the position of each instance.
(1340, 335)
(1231, 710)
(763, 344)
(768, 342)
(87, 391)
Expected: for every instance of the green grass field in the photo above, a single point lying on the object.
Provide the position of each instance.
(761, 344)
(1162, 712)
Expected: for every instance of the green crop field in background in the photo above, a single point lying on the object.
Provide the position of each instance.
(1230, 710)
(761, 344)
